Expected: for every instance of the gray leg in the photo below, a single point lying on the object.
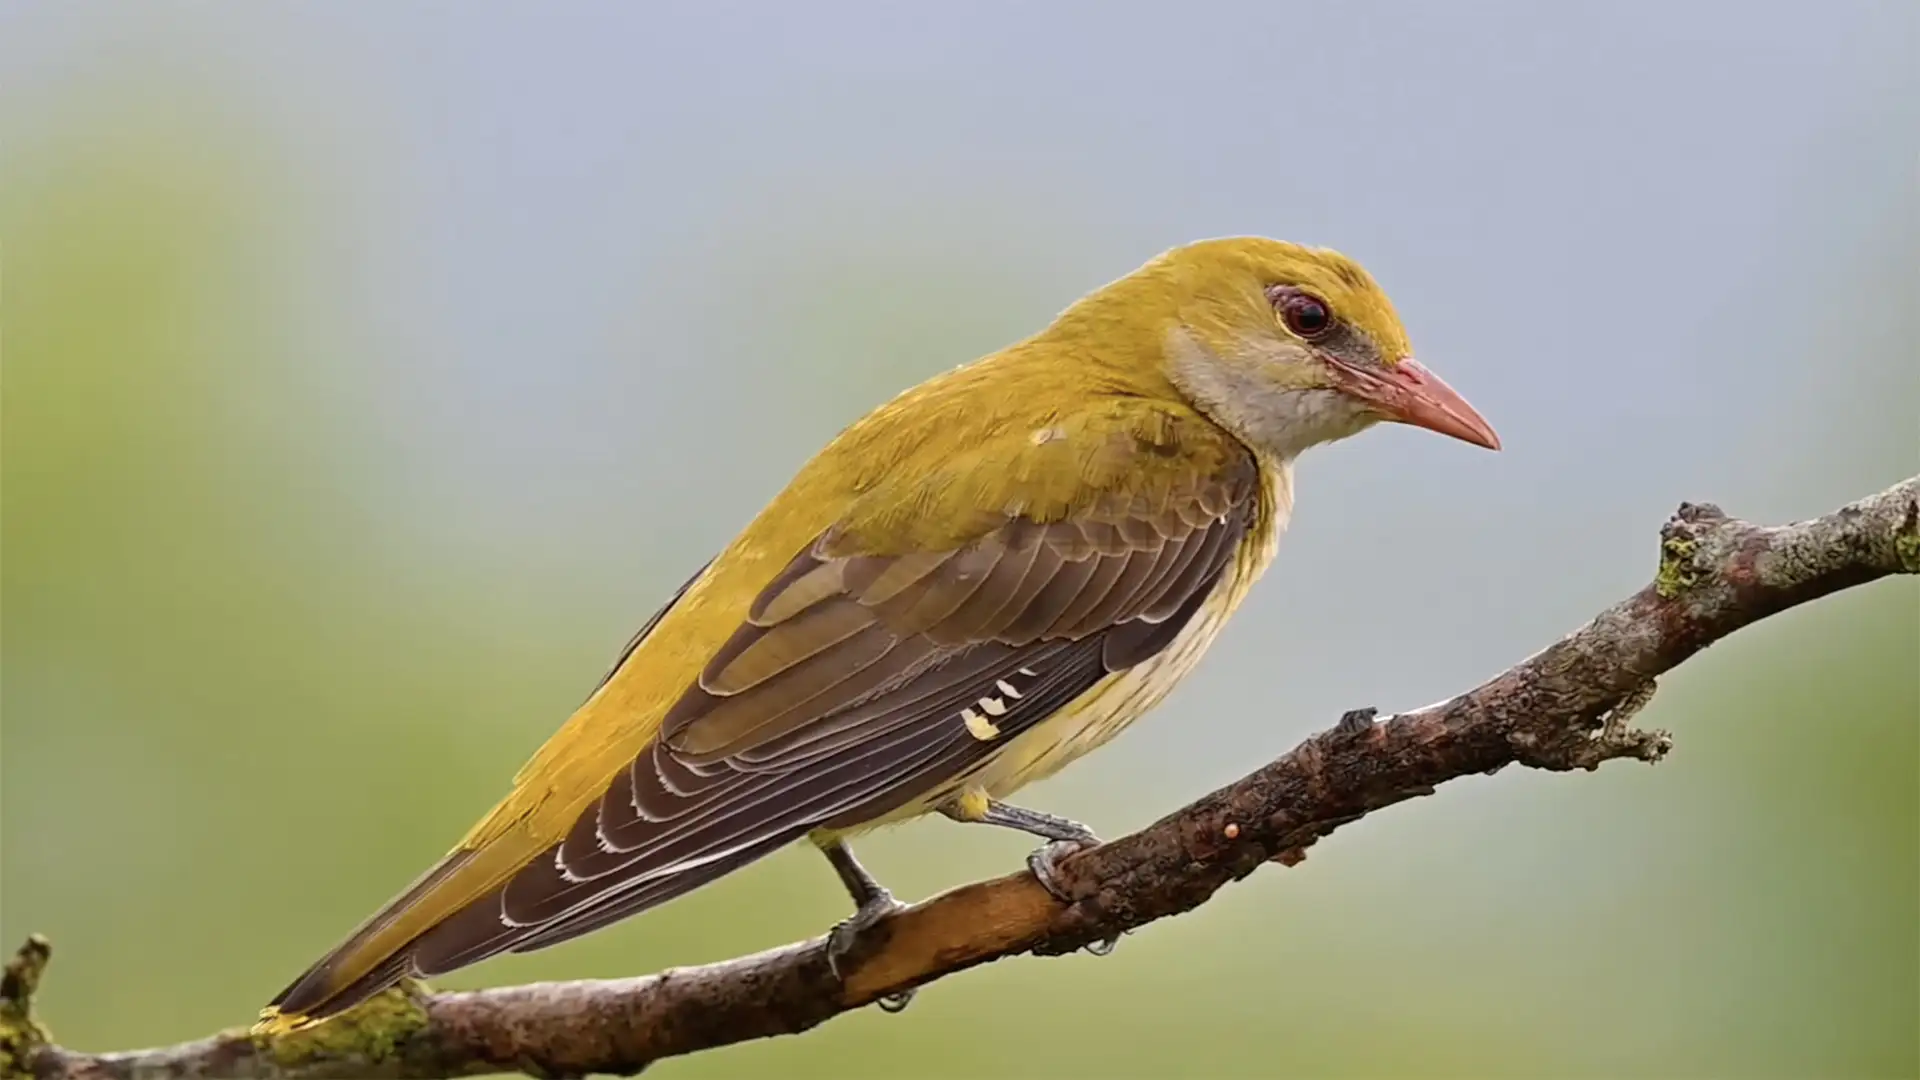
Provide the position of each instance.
(1064, 835)
(872, 902)
(1007, 816)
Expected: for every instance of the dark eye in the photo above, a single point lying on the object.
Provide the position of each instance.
(1304, 314)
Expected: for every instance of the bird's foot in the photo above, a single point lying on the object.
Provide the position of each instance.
(845, 935)
(1064, 835)
(1045, 864)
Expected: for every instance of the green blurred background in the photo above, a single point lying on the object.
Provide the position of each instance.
(371, 371)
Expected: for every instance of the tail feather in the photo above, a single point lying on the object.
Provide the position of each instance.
(381, 952)
(332, 984)
(466, 936)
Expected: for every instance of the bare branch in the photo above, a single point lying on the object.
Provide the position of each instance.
(1570, 706)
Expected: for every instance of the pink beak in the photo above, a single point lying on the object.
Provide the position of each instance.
(1410, 394)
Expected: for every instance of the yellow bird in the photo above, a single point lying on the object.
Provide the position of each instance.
(969, 588)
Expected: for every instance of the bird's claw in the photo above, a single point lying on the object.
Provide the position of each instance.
(845, 935)
(1045, 864)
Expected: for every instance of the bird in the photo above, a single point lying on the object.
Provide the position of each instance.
(972, 586)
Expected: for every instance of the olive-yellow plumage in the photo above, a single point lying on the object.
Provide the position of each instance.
(973, 585)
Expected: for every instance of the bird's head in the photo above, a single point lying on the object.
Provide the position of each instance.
(1285, 346)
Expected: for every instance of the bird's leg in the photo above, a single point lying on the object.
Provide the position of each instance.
(1064, 836)
(872, 902)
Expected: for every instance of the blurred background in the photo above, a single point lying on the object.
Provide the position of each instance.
(372, 371)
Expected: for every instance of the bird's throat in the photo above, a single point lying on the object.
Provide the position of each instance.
(1277, 421)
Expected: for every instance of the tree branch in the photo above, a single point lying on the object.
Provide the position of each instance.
(1567, 707)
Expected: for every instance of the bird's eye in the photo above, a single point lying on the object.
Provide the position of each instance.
(1304, 314)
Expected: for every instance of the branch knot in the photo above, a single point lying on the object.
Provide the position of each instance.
(1679, 551)
(20, 1032)
(1906, 539)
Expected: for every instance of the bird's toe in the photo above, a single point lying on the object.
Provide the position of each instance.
(844, 939)
(1045, 864)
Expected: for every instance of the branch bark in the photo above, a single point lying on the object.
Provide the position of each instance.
(1567, 707)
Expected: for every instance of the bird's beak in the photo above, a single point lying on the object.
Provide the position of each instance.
(1410, 394)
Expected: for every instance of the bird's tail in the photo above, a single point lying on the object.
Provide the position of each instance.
(374, 957)
(427, 931)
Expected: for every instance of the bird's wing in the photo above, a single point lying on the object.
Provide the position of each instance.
(860, 679)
